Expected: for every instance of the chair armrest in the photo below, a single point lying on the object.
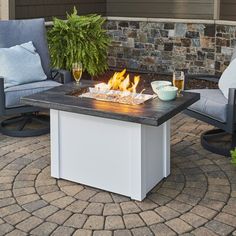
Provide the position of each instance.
(62, 76)
(231, 109)
(206, 77)
(2, 97)
(211, 78)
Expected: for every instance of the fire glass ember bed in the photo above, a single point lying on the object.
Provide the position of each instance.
(121, 148)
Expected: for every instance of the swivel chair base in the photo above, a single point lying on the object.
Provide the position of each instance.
(26, 125)
(218, 141)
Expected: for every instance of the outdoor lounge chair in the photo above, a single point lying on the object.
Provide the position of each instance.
(215, 109)
(16, 32)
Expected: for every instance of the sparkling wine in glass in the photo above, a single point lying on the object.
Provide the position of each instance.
(178, 81)
(77, 71)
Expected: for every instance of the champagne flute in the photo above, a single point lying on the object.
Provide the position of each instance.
(77, 70)
(178, 81)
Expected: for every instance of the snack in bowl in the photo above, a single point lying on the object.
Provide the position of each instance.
(159, 84)
(167, 93)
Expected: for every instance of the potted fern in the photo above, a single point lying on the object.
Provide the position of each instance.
(79, 38)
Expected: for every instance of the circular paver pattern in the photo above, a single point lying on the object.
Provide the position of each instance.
(198, 198)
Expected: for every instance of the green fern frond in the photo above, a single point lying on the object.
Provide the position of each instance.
(79, 38)
(233, 156)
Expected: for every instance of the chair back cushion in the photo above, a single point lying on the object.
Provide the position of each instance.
(228, 78)
(15, 32)
(234, 54)
(20, 64)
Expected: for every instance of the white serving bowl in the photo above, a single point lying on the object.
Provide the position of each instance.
(167, 93)
(156, 85)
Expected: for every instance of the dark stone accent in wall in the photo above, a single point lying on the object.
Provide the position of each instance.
(134, 24)
(191, 57)
(192, 34)
(169, 26)
(186, 42)
(222, 42)
(211, 55)
(168, 46)
(217, 65)
(209, 31)
(201, 56)
(123, 24)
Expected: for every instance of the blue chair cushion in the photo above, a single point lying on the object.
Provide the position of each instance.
(13, 94)
(15, 32)
(20, 64)
(212, 104)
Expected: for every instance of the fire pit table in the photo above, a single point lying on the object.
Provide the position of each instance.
(116, 147)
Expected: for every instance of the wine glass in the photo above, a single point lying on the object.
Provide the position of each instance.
(178, 81)
(77, 70)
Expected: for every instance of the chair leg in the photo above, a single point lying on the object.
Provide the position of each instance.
(22, 124)
(26, 125)
(218, 141)
(12, 120)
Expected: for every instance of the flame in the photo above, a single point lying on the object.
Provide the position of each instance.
(120, 89)
(123, 83)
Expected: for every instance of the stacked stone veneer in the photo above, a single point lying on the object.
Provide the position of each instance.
(163, 47)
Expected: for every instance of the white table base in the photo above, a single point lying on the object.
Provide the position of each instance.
(117, 156)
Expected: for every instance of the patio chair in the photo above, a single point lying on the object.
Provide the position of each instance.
(215, 109)
(16, 32)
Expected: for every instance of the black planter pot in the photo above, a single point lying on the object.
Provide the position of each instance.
(86, 76)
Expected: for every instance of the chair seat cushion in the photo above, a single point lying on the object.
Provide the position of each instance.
(20, 64)
(13, 94)
(212, 103)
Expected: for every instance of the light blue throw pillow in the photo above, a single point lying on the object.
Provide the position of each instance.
(20, 64)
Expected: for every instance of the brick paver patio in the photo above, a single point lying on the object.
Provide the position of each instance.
(198, 198)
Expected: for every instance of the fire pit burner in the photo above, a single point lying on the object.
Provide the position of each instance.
(119, 89)
(117, 96)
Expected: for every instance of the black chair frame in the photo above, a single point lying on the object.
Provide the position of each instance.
(16, 126)
(229, 127)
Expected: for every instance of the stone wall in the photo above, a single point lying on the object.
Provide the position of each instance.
(200, 48)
